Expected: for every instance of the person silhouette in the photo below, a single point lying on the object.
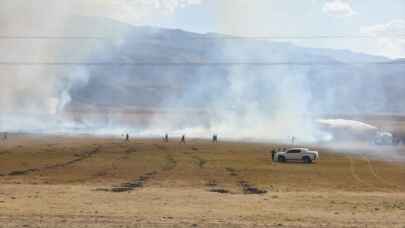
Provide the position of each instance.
(183, 139)
(215, 138)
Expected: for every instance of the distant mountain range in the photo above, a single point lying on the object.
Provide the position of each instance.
(166, 68)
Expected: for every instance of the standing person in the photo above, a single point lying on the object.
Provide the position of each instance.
(127, 138)
(166, 139)
(183, 139)
(273, 153)
(215, 139)
(5, 136)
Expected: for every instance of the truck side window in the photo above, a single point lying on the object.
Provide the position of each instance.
(293, 151)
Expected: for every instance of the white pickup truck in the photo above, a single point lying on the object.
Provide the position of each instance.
(297, 154)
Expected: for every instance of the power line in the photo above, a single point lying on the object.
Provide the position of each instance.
(219, 36)
(123, 64)
(52, 38)
(300, 37)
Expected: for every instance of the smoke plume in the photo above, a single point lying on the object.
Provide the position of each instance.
(246, 100)
(31, 93)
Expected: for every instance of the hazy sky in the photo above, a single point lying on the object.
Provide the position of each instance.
(240, 17)
(302, 18)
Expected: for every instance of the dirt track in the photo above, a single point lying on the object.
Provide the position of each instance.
(70, 183)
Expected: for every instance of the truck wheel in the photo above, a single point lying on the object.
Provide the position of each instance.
(281, 159)
(307, 160)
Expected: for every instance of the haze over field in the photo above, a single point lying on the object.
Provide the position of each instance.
(120, 71)
(202, 113)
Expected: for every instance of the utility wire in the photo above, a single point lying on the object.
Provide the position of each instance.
(52, 38)
(298, 37)
(122, 64)
(219, 36)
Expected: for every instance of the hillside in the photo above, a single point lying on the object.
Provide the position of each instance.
(231, 73)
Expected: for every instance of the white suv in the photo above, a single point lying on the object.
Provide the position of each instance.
(297, 154)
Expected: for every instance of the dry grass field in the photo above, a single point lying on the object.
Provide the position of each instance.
(51, 181)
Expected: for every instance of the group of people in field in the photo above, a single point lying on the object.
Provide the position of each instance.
(182, 138)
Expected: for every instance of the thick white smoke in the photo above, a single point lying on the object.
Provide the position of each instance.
(279, 115)
(260, 102)
(32, 93)
(285, 111)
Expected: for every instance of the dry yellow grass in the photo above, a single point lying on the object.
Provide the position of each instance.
(49, 181)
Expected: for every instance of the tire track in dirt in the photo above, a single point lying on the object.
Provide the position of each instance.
(360, 180)
(130, 185)
(140, 181)
(246, 187)
(104, 172)
(81, 157)
(353, 172)
(374, 173)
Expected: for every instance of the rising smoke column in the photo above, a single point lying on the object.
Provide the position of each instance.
(261, 102)
(30, 93)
